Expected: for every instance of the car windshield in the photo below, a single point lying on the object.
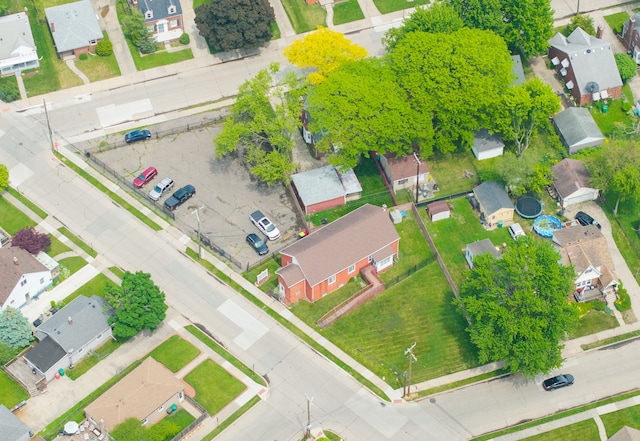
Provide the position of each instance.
(271, 227)
(141, 176)
(157, 189)
(259, 243)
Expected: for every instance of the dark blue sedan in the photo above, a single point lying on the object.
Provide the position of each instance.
(137, 135)
(257, 244)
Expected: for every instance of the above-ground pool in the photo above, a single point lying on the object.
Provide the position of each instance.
(546, 225)
(528, 207)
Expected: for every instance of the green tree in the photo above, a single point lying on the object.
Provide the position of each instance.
(454, 80)
(323, 50)
(626, 66)
(4, 177)
(525, 107)
(440, 17)
(262, 124)
(4, 7)
(235, 24)
(524, 174)
(135, 29)
(130, 429)
(138, 304)
(15, 329)
(583, 22)
(615, 168)
(518, 307)
(358, 119)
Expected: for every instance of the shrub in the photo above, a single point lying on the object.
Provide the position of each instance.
(104, 48)
(30, 240)
(9, 93)
(626, 106)
(184, 38)
(83, 56)
(624, 301)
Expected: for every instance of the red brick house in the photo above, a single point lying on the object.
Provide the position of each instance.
(630, 37)
(328, 258)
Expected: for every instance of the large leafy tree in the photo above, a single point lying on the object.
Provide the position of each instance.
(454, 79)
(135, 29)
(4, 177)
(262, 123)
(524, 174)
(15, 329)
(518, 307)
(30, 240)
(583, 22)
(358, 119)
(137, 303)
(323, 50)
(626, 66)
(615, 167)
(440, 17)
(235, 24)
(526, 107)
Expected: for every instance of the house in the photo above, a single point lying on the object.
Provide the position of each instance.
(23, 279)
(494, 203)
(577, 129)
(480, 247)
(329, 257)
(486, 146)
(325, 187)
(74, 28)
(69, 335)
(11, 428)
(145, 393)
(438, 210)
(571, 181)
(626, 434)
(630, 37)
(17, 48)
(163, 17)
(404, 171)
(586, 249)
(518, 71)
(586, 65)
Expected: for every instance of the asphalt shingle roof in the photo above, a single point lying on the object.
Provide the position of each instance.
(73, 25)
(492, 196)
(570, 175)
(577, 126)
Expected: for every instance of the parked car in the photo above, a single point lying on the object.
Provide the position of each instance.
(137, 135)
(163, 186)
(257, 244)
(265, 225)
(143, 178)
(584, 219)
(180, 197)
(557, 382)
(515, 230)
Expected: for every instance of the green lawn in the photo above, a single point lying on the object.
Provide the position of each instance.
(57, 247)
(33, 207)
(172, 424)
(584, 431)
(303, 17)
(73, 263)
(175, 353)
(9, 89)
(386, 6)
(614, 120)
(275, 30)
(346, 12)
(11, 393)
(615, 21)
(197, 3)
(93, 287)
(12, 219)
(215, 387)
(157, 59)
(592, 322)
(78, 242)
(97, 67)
(615, 421)
(90, 361)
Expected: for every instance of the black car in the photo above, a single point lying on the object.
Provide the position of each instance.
(257, 244)
(558, 382)
(137, 135)
(180, 197)
(584, 219)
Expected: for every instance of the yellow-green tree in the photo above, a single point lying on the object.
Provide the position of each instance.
(324, 50)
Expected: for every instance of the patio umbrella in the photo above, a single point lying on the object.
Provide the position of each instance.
(71, 427)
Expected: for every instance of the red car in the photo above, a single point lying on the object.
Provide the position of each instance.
(144, 177)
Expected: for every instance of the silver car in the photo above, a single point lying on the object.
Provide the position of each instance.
(163, 186)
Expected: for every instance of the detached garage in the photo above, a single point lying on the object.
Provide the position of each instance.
(438, 210)
(571, 181)
(486, 146)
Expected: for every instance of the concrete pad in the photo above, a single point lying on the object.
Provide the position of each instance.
(383, 419)
(253, 330)
(18, 174)
(115, 114)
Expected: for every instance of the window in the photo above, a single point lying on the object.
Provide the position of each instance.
(23, 282)
(92, 42)
(148, 14)
(172, 9)
(332, 280)
(402, 181)
(351, 269)
(370, 259)
(174, 24)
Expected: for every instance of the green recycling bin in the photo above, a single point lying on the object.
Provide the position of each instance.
(61, 372)
(172, 409)
(499, 224)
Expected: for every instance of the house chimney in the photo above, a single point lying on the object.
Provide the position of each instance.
(53, 27)
(599, 32)
(70, 320)
(15, 260)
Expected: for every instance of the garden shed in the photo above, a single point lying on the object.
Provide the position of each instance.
(480, 247)
(438, 210)
(486, 146)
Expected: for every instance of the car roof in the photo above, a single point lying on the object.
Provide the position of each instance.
(149, 170)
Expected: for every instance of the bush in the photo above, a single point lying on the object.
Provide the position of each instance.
(624, 301)
(104, 48)
(9, 91)
(184, 38)
(626, 106)
(83, 56)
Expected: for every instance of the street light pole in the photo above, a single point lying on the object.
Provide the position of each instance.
(307, 432)
(46, 114)
(197, 213)
(412, 358)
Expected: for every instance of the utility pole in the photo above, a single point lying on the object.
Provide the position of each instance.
(578, 10)
(307, 432)
(412, 358)
(197, 213)
(46, 114)
(417, 175)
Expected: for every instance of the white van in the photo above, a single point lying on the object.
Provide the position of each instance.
(516, 231)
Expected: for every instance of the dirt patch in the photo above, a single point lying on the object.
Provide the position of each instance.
(629, 317)
(104, 11)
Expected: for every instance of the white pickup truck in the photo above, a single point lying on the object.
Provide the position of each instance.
(265, 225)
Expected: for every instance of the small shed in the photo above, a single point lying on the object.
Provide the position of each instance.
(438, 210)
(486, 146)
(480, 247)
(325, 187)
(577, 129)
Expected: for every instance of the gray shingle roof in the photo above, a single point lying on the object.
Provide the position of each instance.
(484, 246)
(492, 196)
(159, 8)
(483, 141)
(318, 185)
(14, 32)
(73, 25)
(578, 128)
(45, 354)
(11, 428)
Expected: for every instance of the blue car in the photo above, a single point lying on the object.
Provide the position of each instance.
(137, 135)
(257, 244)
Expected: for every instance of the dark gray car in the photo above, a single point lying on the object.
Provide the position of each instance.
(180, 197)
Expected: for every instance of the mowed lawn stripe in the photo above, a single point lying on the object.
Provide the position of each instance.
(215, 387)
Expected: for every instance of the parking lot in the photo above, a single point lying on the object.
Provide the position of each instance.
(224, 189)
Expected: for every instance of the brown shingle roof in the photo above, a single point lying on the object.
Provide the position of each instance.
(342, 243)
(570, 175)
(11, 271)
(404, 166)
(137, 395)
(437, 207)
(584, 246)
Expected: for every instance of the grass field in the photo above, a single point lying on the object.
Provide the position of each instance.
(386, 6)
(57, 247)
(592, 322)
(73, 263)
(303, 17)
(11, 393)
(583, 431)
(175, 353)
(346, 12)
(78, 242)
(93, 287)
(97, 67)
(615, 21)
(157, 59)
(90, 361)
(615, 421)
(33, 207)
(12, 219)
(215, 387)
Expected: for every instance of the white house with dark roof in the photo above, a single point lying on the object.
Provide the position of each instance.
(17, 48)
(571, 181)
(329, 257)
(480, 247)
(495, 206)
(74, 28)
(11, 427)
(486, 146)
(586, 65)
(325, 187)
(162, 17)
(23, 279)
(70, 335)
(577, 129)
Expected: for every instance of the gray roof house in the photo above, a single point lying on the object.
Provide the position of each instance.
(577, 129)
(70, 335)
(571, 181)
(11, 428)
(17, 48)
(495, 206)
(74, 28)
(325, 187)
(586, 65)
(486, 146)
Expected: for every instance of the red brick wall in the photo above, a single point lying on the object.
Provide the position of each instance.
(325, 205)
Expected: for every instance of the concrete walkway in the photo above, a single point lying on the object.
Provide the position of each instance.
(109, 22)
(71, 64)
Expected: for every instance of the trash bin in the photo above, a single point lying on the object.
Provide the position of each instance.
(61, 372)
(604, 109)
(172, 409)
(499, 224)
